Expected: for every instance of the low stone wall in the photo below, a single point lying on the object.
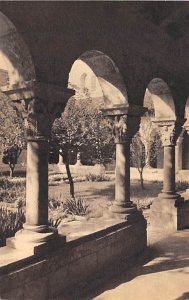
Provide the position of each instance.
(82, 170)
(70, 269)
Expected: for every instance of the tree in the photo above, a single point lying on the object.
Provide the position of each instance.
(144, 146)
(12, 133)
(10, 157)
(138, 156)
(81, 125)
(147, 136)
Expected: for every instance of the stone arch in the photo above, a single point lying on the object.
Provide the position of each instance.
(17, 71)
(110, 82)
(162, 99)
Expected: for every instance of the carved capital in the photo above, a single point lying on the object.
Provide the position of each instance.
(168, 135)
(124, 128)
(39, 121)
(41, 110)
(126, 121)
(170, 131)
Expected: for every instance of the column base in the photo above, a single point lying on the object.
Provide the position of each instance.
(169, 214)
(124, 208)
(130, 213)
(34, 242)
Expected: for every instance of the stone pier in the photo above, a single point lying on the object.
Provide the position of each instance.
(169, 210)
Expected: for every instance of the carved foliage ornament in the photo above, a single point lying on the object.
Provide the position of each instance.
(170, 133)
(124, 128)
(39, 117)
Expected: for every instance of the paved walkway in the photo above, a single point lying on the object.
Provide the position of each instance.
(162, 273)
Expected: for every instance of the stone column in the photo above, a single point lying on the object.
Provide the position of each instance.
(61, 159)
(123, 137)
(78, 163)
(36, 230)
(37, 184)
(179, 152)
(169, 211)
(126, 121)
(36, 235)
(170, 132)
(186, 147)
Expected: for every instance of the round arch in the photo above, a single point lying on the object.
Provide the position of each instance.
(110, 85)
(160, 96)
(16, 67)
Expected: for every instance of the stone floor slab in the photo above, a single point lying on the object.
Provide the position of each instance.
(162, 273)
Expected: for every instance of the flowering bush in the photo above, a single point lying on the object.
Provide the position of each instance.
(97, 178)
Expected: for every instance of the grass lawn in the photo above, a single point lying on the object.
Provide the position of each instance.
(100, 195)
(97, 196)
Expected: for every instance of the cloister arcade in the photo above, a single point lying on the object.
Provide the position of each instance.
(39, 88)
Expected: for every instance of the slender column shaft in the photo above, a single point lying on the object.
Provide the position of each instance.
(37, 182)
(179, 152)
(169, 169)
(122, 184)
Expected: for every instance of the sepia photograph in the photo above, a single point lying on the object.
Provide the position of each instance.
(94, 150)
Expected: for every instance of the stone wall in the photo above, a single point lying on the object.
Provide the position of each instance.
(76, 266)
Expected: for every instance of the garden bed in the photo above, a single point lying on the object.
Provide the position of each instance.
(93, 197)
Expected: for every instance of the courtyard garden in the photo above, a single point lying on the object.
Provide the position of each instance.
(94, 194)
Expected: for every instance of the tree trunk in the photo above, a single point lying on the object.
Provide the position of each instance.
(70, 180)
(11, 170)
(141, 180)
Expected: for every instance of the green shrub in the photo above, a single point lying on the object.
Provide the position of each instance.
(12, 220)
(182, 185)
(20, 203)
(12, 190)
(75, 206)
(55, 223)
(10, 223)
(97, 178)
(54, 203)
(10, 196)
(6, 183)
